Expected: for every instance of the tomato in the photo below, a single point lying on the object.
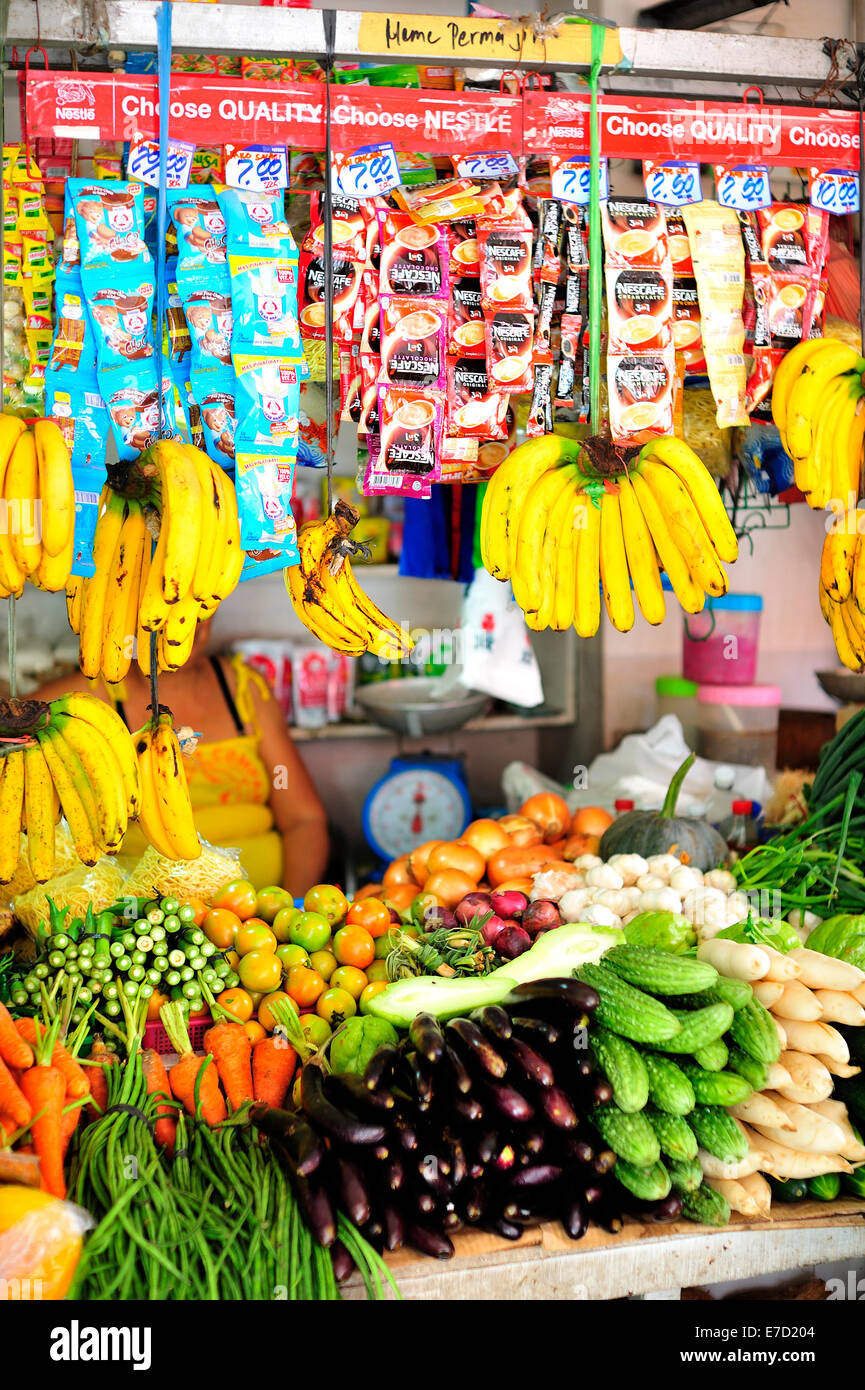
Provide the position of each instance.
(382, 947)
(354, 946)
(453, 855)
(316, 1030)
(270, 901)
(237, 1002)
(335, 1006)
(200, 909)
(305, 985)
(283, 922)
(295, 1092)
(421, 906)
(254, 935)
(254, 1031)
(486, 836)
(397, 874)
(369, 890)
(371, 914)
(311, 930)
(418, 861)
(324, 962)
(233, 959)
(292, 955)
(238, 896)
(349, 978)
(260, 970)
(330, 901)
(256, 995)
(221, 926)
(373, 988)
(265, 1015)
(450, 885)
(376, 971)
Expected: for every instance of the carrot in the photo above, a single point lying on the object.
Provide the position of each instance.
(76, 1082)
(13, 1102)
(68, 1125)
(98, 1078)
(13, 1049)
(183, 1077)
(231, 1049)
(156, 1081)
(45, 1088)
(273, 1062)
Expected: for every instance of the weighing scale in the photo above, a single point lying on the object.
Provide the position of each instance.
(421, 797)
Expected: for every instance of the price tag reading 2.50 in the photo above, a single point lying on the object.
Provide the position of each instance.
(744, 187)
(143, 163)
(256, 168)
(571, 179)
(672, 183)
(834, 190)
(367, 172)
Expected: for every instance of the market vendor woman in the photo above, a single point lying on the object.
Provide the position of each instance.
(248, 786)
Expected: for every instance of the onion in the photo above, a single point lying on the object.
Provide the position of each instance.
(492, 928)
(540, 916)
(512, 941)
(472, 905)
(436, 918)
(510, 903)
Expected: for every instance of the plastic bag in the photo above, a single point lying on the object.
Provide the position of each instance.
(40, 1243)
(497, 655)
(154, 876)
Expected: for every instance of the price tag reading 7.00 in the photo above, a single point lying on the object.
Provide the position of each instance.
(672, 183)
(571, 179)
(367, 172)
(496, 164)
(256, 168)
(143, 162)
(834, 190)
(744, 187)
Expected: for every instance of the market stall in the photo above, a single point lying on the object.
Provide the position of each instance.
(597, 1032)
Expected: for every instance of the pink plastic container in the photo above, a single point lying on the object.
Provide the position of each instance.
(738, 724)
(719, 645)
(156, 1038)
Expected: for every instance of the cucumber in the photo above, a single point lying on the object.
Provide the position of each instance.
(649, 1184)
(793, 1190)
(629, 1136)
(854, 1183)
(673, 1133)
(659, 972)
(755, 1073)
(712, 1057)
(669, 1088)
(685, 1175)
(628, 1011)
(736, 993)
(753, 1030)
(825, 1187)
(698, 1029)
(716, 1087)
(623, 1067)
(706, 1206)
(718, 1133)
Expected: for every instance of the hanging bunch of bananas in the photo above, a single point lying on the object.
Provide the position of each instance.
(818, 404)
(173, 495)
(37, 538)
(165, 811)
(327, 598)
(566, 520)
(73, 757)
(842, 585)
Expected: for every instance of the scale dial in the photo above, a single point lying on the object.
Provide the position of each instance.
(412, 806)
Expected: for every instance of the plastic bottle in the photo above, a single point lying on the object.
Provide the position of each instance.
(720, 803)
(740, 829)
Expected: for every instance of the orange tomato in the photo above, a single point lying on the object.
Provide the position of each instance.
(450, 886)
(549, 812)
(373, 988)
(270, 901)
(486, 836)
(283, 922)
(575, 845)
(450, 854)
(233, 959)
(371, 914)
(418, 865)
(238, 896)
(401, 896)
(521, 831)
(154, 1004)
(254, 1031)
(237, 1002)
(221, 927)
(590, 820)
(349, 978)
(260, 971)
(377, 972)
(305, 986)
(335, 1006)
(254, 935)
(201, 909)
(369, 890)
(327, 899)
(354, 946)
(265, 1009)
(324, 962)
(397, 873)
(520, 863)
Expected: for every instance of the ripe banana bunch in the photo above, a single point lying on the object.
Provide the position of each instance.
(165, 810)
(328, 599)
(842, 585)
(76, 758)
(818, 404)
(190, 509)
(37, 535)
(565, 532)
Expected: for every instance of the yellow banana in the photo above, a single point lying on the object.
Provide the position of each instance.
(615, 578)
(88, 709)
(816, 374)
(232, 557)
(153, 609)
(587, 594)
(68, 789)
(172, 792)
(20, 490)
(815, 475)
(74, 591)
(305, 584)
(564, 580)
(553, 562)
(506, 492)
(857, 578)
(839, 549)
(178, 634)
(847, 447)
(842, 635)
(39, 806)
(54, 570)
(11, 812)
(786, 375)
(182, 507)
(384, 637)
(689, 593)
(142, 636)
(695, 476)
(210, 521)
(56, 488)
(148, 812)
(108, 527)
(526, 577)
(122, 595)
(11, 574)
(103, 778)
(640, 552)
(691, 535)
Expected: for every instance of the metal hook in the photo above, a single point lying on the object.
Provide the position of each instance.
(758, 90)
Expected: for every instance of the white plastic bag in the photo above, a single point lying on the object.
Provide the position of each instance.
(497, 656)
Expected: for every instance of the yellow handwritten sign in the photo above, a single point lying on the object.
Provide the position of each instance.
(431, 37)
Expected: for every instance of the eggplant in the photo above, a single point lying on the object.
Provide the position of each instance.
(354, 1197)
(593, 1194)
(425, 1202)
(381, 1067)
(381, 1152)
(421, 1079)
(468, 1108)
(556, 1107)
(666, 1209)
(534, 1141)
(459, 1162)
(429, 1241)
(537, 1032)
(604, 1162)
(373, 1231)
(487, 1146)
(474, 1203)
(495, 1020)
(394, 1226)
(404, 1129)
(345, 1089)
(508, 1229)
(342, 1262)
(459, 1073)
(430, 1173)
(571, 994)
(579, 1150)
(317, 1208)
(529, 1063)
(509, 1102)
(574, 1216)
(505, 1159)
(585, 1066)
(334, 1121)
(394, 1173)
(539, 1175)
(451, 1220)
(476, 1170)
(478, 1046)
(299, 1138)
(427, 1038)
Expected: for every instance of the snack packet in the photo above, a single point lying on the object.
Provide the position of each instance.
(506, 266)
(109, 220)
(509, 335)
(412, 342)
(473, 410)
(264, 300)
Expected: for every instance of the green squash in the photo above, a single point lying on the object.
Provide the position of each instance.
(693, 841)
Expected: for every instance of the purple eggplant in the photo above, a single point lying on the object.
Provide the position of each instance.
(529, 1063)
(425, 1202)
(336, 1122)
(537, 1032)
(604, 1162)
(495, 1020)
(508, 1229)
(429, 1241)
(534, 1141)
(459, 1074)
(427, 1038)
(342, 1262)
(508, 1101)
(394, 1173)
(571, 994)
(451, 1219)
(574, 1216)
(474, 1203)
(468, 1108)
(299, 1138)
(539, 1175)
(487, 1146)
(354, 1197)
(579, 1150)
(556, 1107)
(381, 1067)
(421, 1079)
(477, 1046)
(459, 1162)
(317, 1208)
(404, 1129)
(345, 1089)
(394, 1226)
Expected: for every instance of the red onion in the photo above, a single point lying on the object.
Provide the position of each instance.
(512, 941)
(491, 929)
(472, 905)
(510, 903)
(541, 915)
(435, 918)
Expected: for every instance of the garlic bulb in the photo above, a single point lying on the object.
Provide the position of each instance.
(630, 866)
(663, 865)
(684, 879)
(720, 878)
(647, 881)
(603, 876)
(571, 905)
(660, 900)
(597, 916)
(588, 861)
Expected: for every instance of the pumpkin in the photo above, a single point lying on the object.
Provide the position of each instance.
(693, 841)
(550, 813)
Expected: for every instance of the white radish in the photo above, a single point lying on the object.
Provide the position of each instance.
(797, 1002)
(738, 1197)
(811, 1133)
(685, 880)
(736, 959)
(587, 861)
(808, 1080)
(781, 967)
(859, 994)
(836, 1068)
(597, 916)
(630, 866)
(824, 972)
(777, 1075)
(663, 865)
(720, 878)
(761, 1193)
(760, 1109)
(784, 1162)
(603, 876)
(840, 1007)
(647, 881)
(572, 904)
(803, 922)
(852, 1149)
(712, 1167)
(820, 1039)
(781, 1031)
(768, 992)
(660, 900)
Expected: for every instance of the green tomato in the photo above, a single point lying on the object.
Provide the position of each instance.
(311, 931)
(315, 1029)
(291, 954)
(283, 922)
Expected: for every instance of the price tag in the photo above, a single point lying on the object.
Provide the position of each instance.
(744, 187)
(143, 162)
(367, 172)
(672, 183)
(834, 190)
(494, 164)
(256, 168)
(572, 179)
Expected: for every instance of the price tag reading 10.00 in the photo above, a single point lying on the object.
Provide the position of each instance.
(496, 164)
(571, 179)
(256, 168)
(672, 183)
(744, 187)
(834, 190)
(143, 164)
(368, 171)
